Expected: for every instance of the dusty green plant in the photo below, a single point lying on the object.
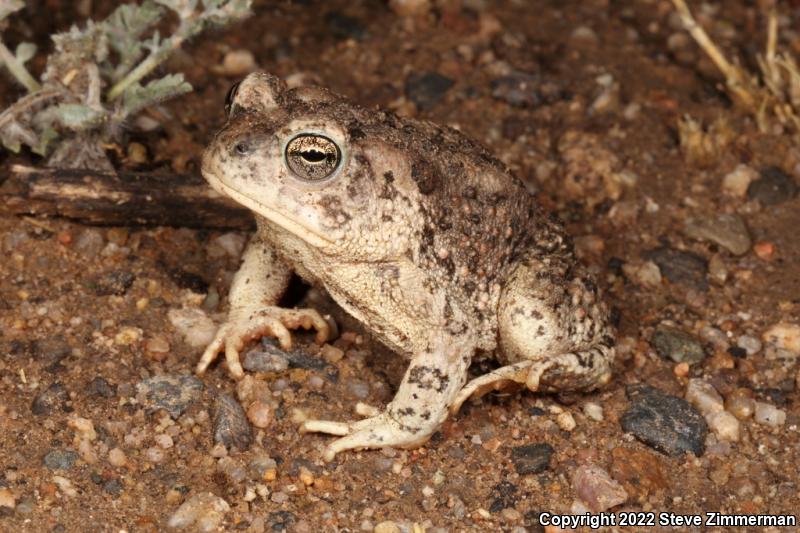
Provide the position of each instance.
(771, 96)
(94, 78)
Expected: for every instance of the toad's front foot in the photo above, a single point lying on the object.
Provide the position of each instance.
(378, 431)
(245, 325)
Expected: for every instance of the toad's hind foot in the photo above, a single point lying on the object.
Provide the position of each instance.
(378, 431)
(246, 325)
(511, 376)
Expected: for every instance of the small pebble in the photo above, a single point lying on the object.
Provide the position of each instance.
(387, 527)
(741, 404)
(595, 487)
(230, 424)
(704, 396)
(154, 455)
(238, 63)
(7, 499)
(173, 393)
(331, 354)
(163, 441)
(531, 458)
(259, 414)
(566, 421)
(258, 360)
(89, 242)
(773, 187)
(65, 486)
(737, 181)
(724, 425)
(194, 325)
(678, 345)
(428, 89)
(667, 423)
(750, 344)
(51, 400)
(769, 415)
(593, 411)
(358, 389)
(785, 336)
(410, 8)
(680, 267)
(204, 511)
(60, 459)
(117, 458)
(114, 283)
(764, 250)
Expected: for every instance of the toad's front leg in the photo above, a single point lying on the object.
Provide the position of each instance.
(255, 290)
(430, 384)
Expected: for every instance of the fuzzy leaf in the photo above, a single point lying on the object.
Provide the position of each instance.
(46, 137)
(24, 52)
(77, 117)
(10, 6)
(126, 25)
(136, 97)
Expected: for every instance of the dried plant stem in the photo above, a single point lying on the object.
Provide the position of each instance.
(17, 69)
(737, 81)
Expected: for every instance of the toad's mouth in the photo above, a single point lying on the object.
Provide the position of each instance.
(309, 235)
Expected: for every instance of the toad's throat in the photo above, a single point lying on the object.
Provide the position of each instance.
(310, 236)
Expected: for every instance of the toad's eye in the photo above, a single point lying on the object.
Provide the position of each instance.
(312, 157)
(229, 98)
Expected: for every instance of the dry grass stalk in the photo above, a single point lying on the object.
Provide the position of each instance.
(774, 95)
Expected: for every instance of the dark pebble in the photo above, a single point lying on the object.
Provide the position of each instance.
(113, 487)
(231, 427)
(50, 351)
(114, 283)
(680, 267)
(532, 458)
(300, 359)
(53, 398)
(519, 89)
(737, 352)
(773, 187)
(427, 90)
(666, 423)
(344, 26)
(59, 459)
(265, 361)
(281, 520)
(505, 496)
(174, 394)
(675, 344)
(533, 523)
(536, 411)
(188, 280)
(101, 388)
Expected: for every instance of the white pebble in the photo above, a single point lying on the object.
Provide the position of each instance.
(204, 511)
(238, 63)
(750, 344)
(769, 415)
(704, 396)
(737, 181)
(154, 455)
(194, 325)
(116, 457)
(593, 411)
(566, 421)
(724, 425)
(784, 336)
(65, 486)
(163, 440)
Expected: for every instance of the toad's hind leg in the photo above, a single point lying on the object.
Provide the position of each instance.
(553, 331)
(432, 380)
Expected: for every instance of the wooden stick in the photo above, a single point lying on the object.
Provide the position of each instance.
(126, 199)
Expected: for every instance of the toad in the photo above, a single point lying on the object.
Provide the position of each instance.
(417, 232)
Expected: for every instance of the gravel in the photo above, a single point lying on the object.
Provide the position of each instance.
(173, 393)
(678, 266)
(114, 283)
(204, 511)
(667, 423)
(678, 345)
(59, 459)
(231, 428)
(428, 89)
(53, 398)
(595, 487)
(726, 230)
(532, 458)
(773, 187)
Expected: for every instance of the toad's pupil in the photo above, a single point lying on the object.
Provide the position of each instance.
(313, 156)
